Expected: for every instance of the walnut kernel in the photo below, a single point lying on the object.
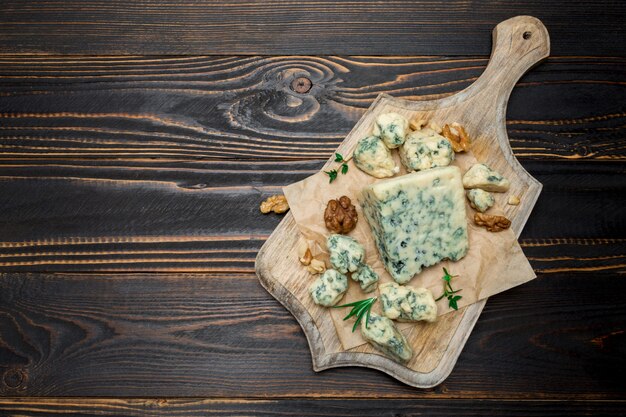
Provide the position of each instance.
(491, 222)
(276, 203)
(340, 215)
(513, 200)
(417, 124)
(457, 136)
(316, 266)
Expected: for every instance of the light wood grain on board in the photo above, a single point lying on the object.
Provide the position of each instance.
(518, 44)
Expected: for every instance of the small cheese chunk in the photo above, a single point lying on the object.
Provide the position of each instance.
(392, 129)
(346, 254)
(405, 303)
(480, 200)
(329, 288)
(424, 149)
(372, 157)
(417, 220)
(485, 178)
(366, 277)
(384, 336)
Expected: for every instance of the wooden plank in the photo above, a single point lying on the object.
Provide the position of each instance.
(224, 336)
(304, 27)
(140, 108)
(305, 407)
(204, 217)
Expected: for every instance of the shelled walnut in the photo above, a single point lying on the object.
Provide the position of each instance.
(340, 215)
(457, 137)
(491, 222)
(276, 203)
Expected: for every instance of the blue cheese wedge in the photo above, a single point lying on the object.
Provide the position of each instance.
(480, 200)
(485, 178)
(346, 254)
(417, 220)
(424, 149)
(405, 303)
(384, 336)
(374, 158)
(366, 277)
(391, 128)
(329, 288)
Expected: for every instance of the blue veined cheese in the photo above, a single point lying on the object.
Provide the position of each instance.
(384, 336)
(485, 178)
(480, 200)
(366, 277)
(346, 254)
(372, 157)
(417, 220)
(424, 149)
(392, 129)
(329, 288)
(405, 303)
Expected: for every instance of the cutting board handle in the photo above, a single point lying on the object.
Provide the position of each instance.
(518, 44)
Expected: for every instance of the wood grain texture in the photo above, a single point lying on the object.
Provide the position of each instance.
(135, 109)
(85, 407)
(153, 335)
(304, 27)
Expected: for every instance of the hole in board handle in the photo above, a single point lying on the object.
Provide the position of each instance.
(526, 35)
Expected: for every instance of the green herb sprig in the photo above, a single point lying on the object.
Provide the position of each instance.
(448, 291)
(332, 174)
(359, 309)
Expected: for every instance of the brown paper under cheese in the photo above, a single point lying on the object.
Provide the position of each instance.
(494, 263)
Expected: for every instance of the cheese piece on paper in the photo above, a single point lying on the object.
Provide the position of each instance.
(417, 220)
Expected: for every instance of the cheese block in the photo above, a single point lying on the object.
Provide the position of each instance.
(391, 128)
(366, 277)
(424, 149)
(480, 200)
(374, 158)
(417, 220)
(405, 303)
(381, 333)
(329, 288)
(485, 178)
(346, 254)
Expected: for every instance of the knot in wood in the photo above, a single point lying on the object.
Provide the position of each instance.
(14, 378)
(301, 85)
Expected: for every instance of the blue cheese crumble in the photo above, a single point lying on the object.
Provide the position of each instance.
(405, 303)
(480, 200)
(366, 277)
(424, 149)
(485, 178)
(346, 254)
(372, 157)
(381, 333)
(329, 288)
(391, 128)
(417, 220)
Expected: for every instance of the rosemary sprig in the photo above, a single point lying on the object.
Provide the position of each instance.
(359, 309)
(448, 291)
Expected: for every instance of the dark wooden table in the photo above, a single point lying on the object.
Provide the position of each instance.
(138, 138)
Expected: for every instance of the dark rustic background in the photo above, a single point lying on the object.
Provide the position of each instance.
(137, 139)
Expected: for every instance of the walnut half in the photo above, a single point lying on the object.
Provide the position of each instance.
(340, 215)
(276, 203)
(457, 137)
(492, 223)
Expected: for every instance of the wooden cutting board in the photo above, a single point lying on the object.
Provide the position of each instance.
(518, 44)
